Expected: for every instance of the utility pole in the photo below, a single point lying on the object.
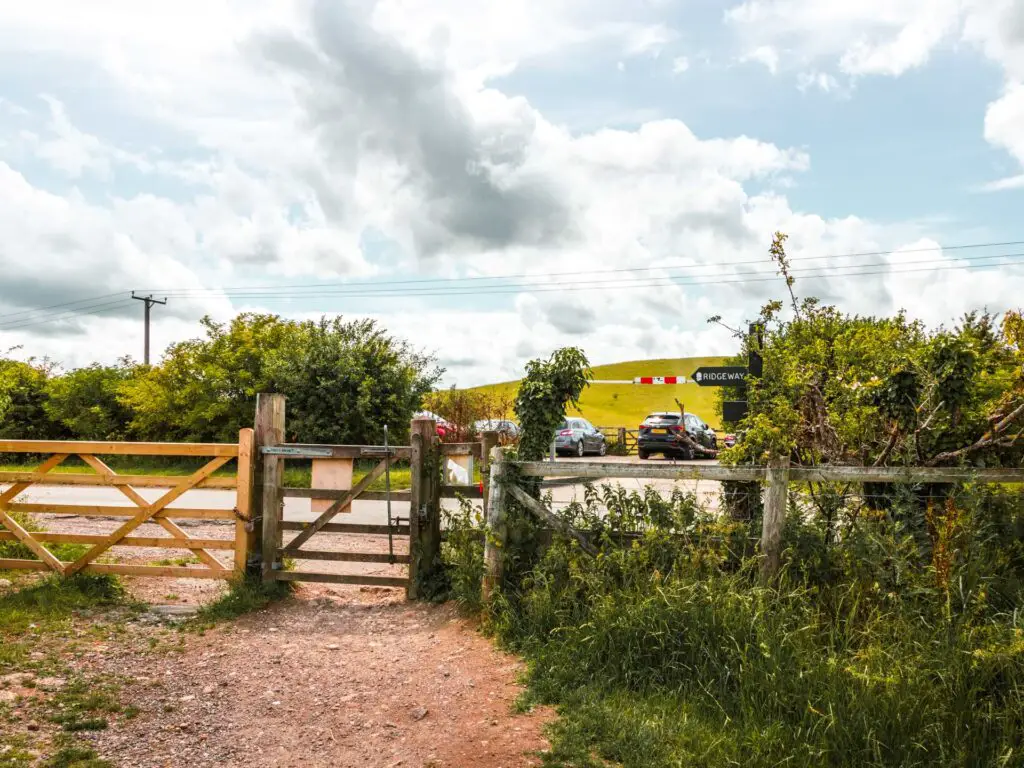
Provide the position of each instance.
(150, 301)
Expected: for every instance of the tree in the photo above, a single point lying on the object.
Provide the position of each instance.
(343, 381)
(88, 403)
(22, 401)
(346, 380)
(205, 389)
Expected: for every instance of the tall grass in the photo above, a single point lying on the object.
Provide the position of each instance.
(665, 650)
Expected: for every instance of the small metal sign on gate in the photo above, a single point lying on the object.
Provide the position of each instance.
(297, 451)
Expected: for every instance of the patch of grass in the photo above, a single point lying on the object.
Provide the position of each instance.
(179, 561)
(243, 596)
(15, 751)
(55, 599)
(77, 756)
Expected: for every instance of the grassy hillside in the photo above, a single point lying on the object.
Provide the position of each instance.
(626, 405)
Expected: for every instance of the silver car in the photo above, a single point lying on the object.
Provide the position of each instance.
(508, 430)
(578, 437)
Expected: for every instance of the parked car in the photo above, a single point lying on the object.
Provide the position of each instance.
(662, 433)
(579, 437)
(442, 425)
(701, 432)
(507, 430)
(729, 440)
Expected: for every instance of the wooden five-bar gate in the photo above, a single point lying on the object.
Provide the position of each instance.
(141, 511)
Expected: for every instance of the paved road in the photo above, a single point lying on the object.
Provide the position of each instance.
(363, 511)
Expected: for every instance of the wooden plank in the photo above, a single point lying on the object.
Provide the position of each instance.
(273, 512)
(466, 491)
(102, 469)
(245, 539)
(904, 475)
(118, 448)
(11, 564)
(596, 470)
(550, 518)
(341, 505)
(462, 449)
(122, 569)
(88, 478)
(26, 538)
(162, 542)
(146, 513)
(306, 451)
(330, 494)
(154, 571)
(268, 429)
(353, 528)
(33, 477)
(343, 578)
(599, 470)
(346, 557)
(93, 510)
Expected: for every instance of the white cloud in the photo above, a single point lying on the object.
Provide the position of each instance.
(680, 64)
(766, 55)
(890, 38)
(289, 131)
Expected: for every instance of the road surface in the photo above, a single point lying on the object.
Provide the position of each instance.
(364, 512)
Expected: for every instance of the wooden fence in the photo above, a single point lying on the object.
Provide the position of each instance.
(256, 545)
(141, 511)
(775, 480)
(626, 438)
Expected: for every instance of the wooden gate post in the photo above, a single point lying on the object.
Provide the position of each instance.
(774, 519)
(488, 442)
(246, 541)
(494, 532)
(266, 496)
(424, 503)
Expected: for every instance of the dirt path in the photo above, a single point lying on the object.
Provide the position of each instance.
(334, 677)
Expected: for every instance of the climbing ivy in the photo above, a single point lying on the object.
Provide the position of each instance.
(550, 386)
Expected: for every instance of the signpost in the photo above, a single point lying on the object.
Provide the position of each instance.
(720, 376)
(734, 376)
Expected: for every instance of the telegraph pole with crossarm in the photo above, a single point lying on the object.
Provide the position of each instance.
(150, 301)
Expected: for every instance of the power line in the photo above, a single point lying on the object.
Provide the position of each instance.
(435, 286)
(228, 289)
(32, 322)
(386, 290)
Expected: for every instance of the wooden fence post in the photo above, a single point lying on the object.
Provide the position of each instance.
(622, 440)
(246, 546)
(424, 503)
(267, 500)
(774, 519)
(489, 441)
(495, 530)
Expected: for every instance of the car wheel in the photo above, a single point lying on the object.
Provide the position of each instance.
(687, 453)
(644, 455)
(603, 450)
(580, 449)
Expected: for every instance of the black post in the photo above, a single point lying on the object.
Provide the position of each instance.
(150, 301)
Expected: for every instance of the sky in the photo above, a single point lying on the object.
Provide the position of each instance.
(492, 180)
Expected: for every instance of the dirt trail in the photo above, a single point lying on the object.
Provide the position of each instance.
(333, 677)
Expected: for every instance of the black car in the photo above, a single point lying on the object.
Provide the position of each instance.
(663, 433)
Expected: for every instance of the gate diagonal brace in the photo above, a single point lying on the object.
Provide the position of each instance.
(328, 514)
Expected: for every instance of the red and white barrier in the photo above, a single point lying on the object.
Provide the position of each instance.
(644, 380)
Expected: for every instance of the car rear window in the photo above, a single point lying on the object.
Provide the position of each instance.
(563, 425)
(662, 418)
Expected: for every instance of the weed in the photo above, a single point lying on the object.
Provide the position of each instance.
(243, 596)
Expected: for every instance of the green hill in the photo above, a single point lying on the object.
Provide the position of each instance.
(626, 405)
